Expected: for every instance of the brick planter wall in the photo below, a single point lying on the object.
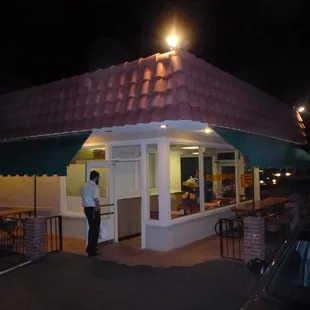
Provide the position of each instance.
(35, 238)
(254, 238)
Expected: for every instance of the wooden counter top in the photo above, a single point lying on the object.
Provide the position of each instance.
(259, 205)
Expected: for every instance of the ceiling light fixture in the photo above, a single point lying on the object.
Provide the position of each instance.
(190, 147)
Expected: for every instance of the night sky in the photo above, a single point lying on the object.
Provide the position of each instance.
(264, 42)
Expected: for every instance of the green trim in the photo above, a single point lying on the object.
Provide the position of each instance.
(265, 152)
(49, 155)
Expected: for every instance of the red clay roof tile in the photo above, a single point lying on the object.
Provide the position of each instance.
(161, 87)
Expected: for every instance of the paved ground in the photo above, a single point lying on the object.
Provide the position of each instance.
(129, 252)
(67, 281)
(7, 260)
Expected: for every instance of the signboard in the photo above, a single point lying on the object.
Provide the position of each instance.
(246, 180)
(221, 177)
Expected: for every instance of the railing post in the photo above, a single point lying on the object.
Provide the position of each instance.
(60, 232)
(254, 238)
(35, 238)
(221, 237)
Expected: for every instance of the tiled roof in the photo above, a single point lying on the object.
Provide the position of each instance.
(162, 87)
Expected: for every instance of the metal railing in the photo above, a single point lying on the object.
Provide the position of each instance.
(12, 236)
(53, 234)
(231, 231)
(277, 228)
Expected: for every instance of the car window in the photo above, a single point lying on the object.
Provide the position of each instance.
(292, 276)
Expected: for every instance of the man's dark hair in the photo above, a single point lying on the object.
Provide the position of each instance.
(93, 175)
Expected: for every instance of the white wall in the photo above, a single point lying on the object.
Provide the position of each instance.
(127, 180)
(76, 177)
(74, 227)
(19, 191)
(175, 171)
(185, 232)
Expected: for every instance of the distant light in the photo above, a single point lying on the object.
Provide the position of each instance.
(190, 147)
(163, 126)
(261, 182)
(173, 42)
(208, 130)
(301, 109)
(288, 174)
(267, 178)
(278, 174)
(274, 181)
(196, 153)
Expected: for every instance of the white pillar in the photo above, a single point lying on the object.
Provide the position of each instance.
(112, 195)
(256, 183)
(202, 180)
(63, 194)
(164, 199)
(237, 176)
(241, 172)
(145, 199)
(216, 184)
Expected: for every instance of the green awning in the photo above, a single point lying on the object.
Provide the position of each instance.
(266, 152)
(39, 156)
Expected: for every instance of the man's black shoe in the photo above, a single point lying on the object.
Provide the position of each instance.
(93, 254)
(97, 250)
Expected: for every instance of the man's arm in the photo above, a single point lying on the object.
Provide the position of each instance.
(97, 198)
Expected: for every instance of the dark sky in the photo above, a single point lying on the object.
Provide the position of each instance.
(265, 42)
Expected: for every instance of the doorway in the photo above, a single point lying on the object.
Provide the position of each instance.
(127, 182)
(120, 198)
(107, 199)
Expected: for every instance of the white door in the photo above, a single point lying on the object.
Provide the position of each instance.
(106, 186)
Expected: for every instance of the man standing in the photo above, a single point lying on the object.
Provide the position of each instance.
(91, 204)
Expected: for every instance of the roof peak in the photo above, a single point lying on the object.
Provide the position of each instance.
(128, 65)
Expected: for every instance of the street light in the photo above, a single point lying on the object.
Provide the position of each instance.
(173, 42)
(301, 109)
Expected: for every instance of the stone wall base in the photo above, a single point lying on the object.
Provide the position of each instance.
(254, 238)
(35, 238)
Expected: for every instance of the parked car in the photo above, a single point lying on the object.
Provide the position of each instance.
(284, 282)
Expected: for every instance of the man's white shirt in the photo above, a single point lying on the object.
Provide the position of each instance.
(90, 192)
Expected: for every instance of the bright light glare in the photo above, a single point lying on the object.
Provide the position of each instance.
(278, 174)
(208, 130)
(163, 126)
(274, 181)
(261, 182)
(173, 41)
(190, 147)
(301, 109)
(196, 153)
(288, 174)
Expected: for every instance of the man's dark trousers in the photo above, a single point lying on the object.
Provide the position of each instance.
(93, 218)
